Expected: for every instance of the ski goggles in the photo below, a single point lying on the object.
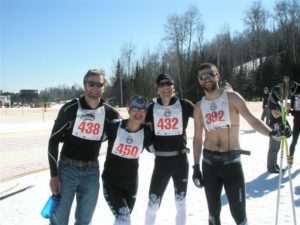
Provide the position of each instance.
(138, 103)
(205, 76)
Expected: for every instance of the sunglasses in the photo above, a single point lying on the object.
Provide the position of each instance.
(93, 84)
(205, 76)
(166, 83)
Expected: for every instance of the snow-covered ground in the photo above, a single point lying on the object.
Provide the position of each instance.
(23, 198)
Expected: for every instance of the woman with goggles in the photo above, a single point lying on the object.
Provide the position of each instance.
(126, 140)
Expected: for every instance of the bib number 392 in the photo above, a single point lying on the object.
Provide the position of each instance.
(168, 123)
(89, 128)
(215, 116)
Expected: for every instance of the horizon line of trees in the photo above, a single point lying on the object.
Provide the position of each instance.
(260, 55)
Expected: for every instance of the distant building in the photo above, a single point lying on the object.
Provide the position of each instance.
(5, 101)
(29, 97)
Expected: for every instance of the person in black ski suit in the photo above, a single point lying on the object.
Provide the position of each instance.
(169, 117)
(126, 140)
(295, 112)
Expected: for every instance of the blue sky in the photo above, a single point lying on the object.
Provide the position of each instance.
(54, 42)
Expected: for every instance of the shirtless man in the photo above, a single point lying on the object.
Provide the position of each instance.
(218, 113)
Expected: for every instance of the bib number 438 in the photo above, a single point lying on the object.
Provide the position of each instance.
(89, 128)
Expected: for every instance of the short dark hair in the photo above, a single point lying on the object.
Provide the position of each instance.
(94, 72)
(207, 65)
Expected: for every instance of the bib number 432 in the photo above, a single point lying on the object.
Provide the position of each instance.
(168, 123)
(89, 128)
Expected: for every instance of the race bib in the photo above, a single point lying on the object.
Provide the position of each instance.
(168, 119)
(216, 112)
(89, 123)
(128, 145)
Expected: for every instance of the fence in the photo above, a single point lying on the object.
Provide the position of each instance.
(24, 136)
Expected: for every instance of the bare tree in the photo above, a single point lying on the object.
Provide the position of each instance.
(287, 14)
(180, 33)
(255, 21)
(127, 56)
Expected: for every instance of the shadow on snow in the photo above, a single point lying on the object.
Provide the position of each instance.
(262, 185)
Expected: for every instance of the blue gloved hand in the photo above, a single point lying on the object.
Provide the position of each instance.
(277, 134)
(197, 176)
(286, 131)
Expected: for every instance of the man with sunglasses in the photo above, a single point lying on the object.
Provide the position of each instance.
(218, 113)
(80, 125)
(169, 117)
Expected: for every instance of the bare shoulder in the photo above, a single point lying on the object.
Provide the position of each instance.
(234, 95)
(197, 110)
(198, 103)
(197, 106)
(235, 98)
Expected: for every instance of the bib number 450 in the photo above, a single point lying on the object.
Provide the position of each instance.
(127, 150)
(168, 123)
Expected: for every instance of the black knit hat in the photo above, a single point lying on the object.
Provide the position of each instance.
(163, 77)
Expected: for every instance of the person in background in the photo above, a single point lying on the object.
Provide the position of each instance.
(265, 109)
(126, 140)
(218, 113)
(79, 126)
(169, 117)
(226, 86)
(295, 111)
(276, 125)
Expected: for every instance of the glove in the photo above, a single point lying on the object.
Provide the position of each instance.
(287, 132)
(197, 176)
(277, 134)
(150, 148)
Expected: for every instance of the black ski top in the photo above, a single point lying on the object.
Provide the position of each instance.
(275, 123)
(174, 142)
(265, 100)
(74, 147)
(117, 169)
(293, 111)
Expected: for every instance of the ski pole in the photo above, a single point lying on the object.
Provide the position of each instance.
(284, 145)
